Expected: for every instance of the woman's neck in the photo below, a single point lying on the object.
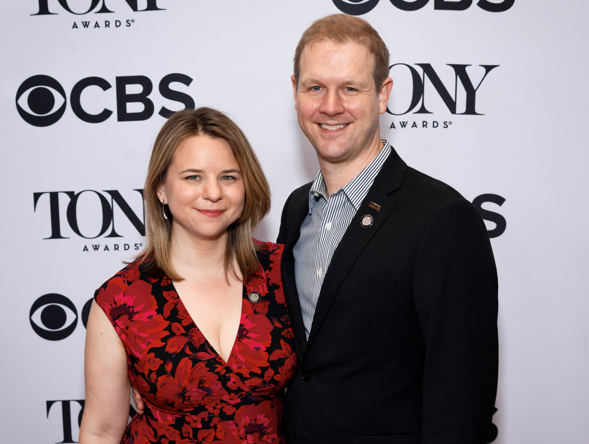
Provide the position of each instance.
(199, 259)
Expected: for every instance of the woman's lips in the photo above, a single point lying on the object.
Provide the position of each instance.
(211, 213)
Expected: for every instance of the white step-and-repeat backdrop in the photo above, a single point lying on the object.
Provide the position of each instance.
(489, 96)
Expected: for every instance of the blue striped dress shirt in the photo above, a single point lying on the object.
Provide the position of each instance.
(323, 229)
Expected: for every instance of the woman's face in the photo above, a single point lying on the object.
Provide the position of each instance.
(203, 189)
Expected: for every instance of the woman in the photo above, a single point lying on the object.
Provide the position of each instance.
(197, 324)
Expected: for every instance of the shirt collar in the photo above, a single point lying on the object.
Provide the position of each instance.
(357, 188)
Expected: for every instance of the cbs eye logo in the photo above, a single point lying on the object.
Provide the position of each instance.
(54, 317)
(355, 7)
(41, 101)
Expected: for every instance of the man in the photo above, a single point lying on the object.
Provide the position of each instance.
(388, 273)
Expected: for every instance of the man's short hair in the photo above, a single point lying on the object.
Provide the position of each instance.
(343, 28)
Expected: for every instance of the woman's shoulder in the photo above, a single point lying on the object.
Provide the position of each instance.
(269, 254)
(269, 249)
(268, 277)
(132, 274)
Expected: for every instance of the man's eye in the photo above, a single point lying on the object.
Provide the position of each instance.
(315, 88)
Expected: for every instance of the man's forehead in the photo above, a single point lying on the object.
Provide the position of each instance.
(335, 44)
(354, 56)
(326, 48)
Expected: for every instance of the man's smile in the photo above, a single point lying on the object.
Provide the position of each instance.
(333, 127)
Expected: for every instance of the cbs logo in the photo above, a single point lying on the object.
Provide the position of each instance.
(355, 7)
(54, 317)
(360, 7)
(41, 100)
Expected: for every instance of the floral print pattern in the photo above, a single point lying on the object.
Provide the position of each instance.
(191, 394)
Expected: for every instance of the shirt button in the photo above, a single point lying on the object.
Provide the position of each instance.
(328, 226)
(319, 272)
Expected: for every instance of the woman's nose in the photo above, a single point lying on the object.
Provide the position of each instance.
(212, 190)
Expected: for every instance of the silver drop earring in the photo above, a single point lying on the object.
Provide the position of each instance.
(164, 211)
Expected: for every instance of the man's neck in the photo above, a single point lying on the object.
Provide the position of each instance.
(338, 175)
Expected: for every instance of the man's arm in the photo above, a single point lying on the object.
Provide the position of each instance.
(456, 300)
(282, 230)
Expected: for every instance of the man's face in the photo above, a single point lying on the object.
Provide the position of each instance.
(337, 102)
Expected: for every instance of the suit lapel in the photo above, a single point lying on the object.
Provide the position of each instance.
(358, 235)
(296, 215)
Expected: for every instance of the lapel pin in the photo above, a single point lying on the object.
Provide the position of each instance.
(366, 221)
(254, 297)
(376, 207)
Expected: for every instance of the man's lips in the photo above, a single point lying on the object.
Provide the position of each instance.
(211, 213)
(333, 127)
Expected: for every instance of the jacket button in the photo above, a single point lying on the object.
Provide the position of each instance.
(306, 376)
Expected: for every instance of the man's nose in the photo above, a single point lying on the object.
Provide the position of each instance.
(332, 104)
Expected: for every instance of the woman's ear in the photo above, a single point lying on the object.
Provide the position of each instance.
(161, 195)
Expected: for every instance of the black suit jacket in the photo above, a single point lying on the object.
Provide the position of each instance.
(403, 346)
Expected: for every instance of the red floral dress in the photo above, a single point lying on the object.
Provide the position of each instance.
(191, 394)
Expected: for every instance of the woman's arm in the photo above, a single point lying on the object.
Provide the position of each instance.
(106, 412)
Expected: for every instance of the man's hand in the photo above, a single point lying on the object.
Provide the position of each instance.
(139, 404)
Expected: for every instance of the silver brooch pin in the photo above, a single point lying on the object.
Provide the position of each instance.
(254, 297)
(366, 221)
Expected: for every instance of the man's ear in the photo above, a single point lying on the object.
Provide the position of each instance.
(384, 94)
(294, 87)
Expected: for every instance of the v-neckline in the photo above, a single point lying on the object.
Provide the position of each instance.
(213, 349)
